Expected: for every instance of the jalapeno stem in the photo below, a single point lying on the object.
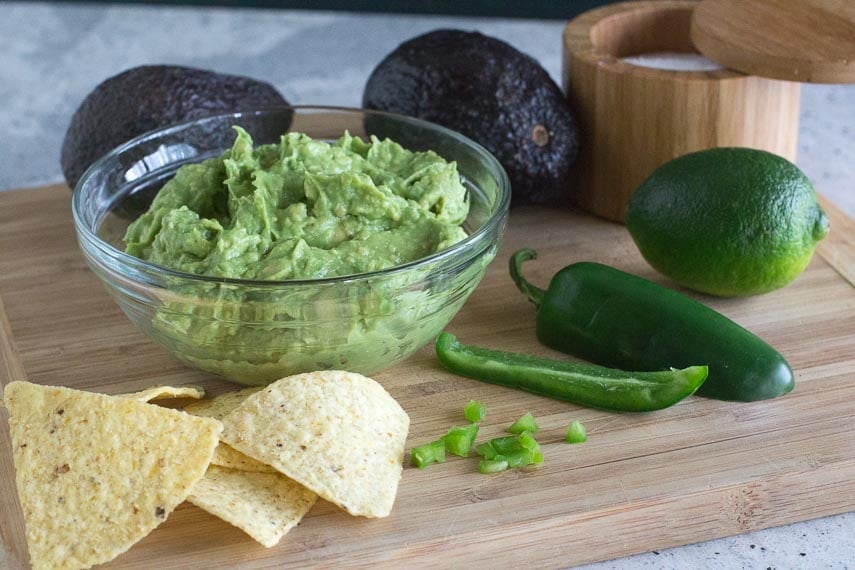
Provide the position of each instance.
(534, 294)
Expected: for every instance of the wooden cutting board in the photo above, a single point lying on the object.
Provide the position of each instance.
(700, 470)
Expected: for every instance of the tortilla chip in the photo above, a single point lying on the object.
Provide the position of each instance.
(263, 505)
(161, 392)
(221, 406)
(218, 408)
(227, 456)
(338, 433)
(96, 473)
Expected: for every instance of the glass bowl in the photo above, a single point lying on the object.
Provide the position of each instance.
(254, 332)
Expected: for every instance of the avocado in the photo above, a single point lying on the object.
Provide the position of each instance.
(148, 97)
(489, 91)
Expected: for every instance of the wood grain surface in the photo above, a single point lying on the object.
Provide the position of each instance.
(795, 40)
(699, 470)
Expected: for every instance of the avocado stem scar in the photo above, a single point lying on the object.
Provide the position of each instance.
(540, 135)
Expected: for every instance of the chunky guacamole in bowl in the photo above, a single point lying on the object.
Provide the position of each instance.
(303, 209)
(327, 246)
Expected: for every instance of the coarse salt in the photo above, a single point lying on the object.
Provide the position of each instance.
(674, 61)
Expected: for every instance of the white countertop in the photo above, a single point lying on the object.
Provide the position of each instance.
(52, 55)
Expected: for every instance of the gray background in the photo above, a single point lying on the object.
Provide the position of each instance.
(52, 55)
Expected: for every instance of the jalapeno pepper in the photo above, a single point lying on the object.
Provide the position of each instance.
(615, 319)
(580, 383)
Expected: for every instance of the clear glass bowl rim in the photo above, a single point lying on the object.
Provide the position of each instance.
(468, 245)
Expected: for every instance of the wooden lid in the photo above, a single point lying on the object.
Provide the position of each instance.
(796, 40)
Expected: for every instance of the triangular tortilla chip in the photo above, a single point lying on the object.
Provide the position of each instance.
(227, 456)
(263, 505)
(218, 408)
(95, 473)
(338, 433)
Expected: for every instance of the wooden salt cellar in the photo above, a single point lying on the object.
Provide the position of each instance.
(634, 118)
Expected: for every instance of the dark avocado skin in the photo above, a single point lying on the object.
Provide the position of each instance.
(487, 90)
(150, 97)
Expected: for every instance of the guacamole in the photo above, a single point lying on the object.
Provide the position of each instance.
(303, 209)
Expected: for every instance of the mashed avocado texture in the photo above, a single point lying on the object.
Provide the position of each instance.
(303, 209)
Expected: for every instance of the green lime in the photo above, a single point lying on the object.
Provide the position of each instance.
(727, 221)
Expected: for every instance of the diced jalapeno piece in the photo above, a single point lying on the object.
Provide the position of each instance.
(492, 465)
(576, 432)
(528, 442)
(486, 450)
(459, 439)
(474, 411)
(525, 423)
(519, 458)
(507, 444)
(424, 455)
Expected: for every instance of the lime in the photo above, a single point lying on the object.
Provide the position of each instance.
(727, 221)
